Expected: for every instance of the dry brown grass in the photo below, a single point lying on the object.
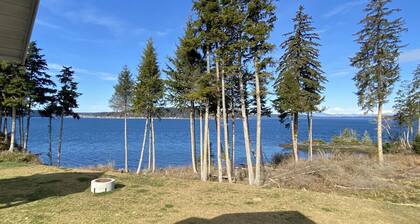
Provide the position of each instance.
(41, 194)
(397, 180)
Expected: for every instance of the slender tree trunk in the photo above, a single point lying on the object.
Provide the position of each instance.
(204, 171)
(226, 131)
(12, 134)
(50, 139)
(379, 129)
(60, 139)
(418, 126)
(258, 149)
(6, 137)
(310, 136)
(233, 137)
(143, 146)
(246, 130)
(150, 146)
(209, 161)
(294, 131)
(125, 143)
(218, 129)
(21, 131)
(192, 135)
(28, 122)
(153, 147)
(201, 142)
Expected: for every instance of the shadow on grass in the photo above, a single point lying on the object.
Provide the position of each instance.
(286, 217)
(21, 190)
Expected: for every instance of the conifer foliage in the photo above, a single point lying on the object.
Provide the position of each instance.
(377, 60)
(147, 99)
(299, 86)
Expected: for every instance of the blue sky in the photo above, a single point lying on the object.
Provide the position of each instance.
(98, 38)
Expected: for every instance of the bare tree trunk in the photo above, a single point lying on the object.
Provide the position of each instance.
(12, 134)
(125, 143)
(143, 146)
(201, 141)
(379, 129)
(418, 126)
(192, 135)
(20, 129)
(28, 122)
(153, 147)
(294, 130)
(60, 139)
(310, 136)
(204, 171)
(218, 129)
(150, 146)
(50, 139)
(209, 161)
(233, 138)
(246, 130)
(258, 149)
(226, 131)
(6, 137)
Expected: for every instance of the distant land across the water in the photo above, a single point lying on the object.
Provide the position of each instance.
(174, 113)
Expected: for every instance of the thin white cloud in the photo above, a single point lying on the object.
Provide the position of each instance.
(43, 23)
(344, 8)
(81, 71)
(342, 72)
(410, 56)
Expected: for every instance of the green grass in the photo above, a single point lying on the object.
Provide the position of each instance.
(41, 194)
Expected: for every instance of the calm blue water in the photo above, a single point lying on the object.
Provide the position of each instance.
(98, 141)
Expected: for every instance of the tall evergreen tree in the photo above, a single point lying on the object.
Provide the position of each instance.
(38, 81)
(148, 95)
(14, 91)
(405, 109)
(259, 23)
(377, 59)
(300, 79)
(66, 102)
(415, 96)
(207, 12)
(183, 77)
(121, 102)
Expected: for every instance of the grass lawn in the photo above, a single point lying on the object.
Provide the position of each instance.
(42, 194)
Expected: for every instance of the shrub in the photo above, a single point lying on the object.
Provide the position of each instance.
(366, 139)
(278, 158)
(19, 157)
(347, 136)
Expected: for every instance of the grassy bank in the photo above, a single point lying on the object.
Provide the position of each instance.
(41, 194)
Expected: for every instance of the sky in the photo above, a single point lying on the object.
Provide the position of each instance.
(97, 38)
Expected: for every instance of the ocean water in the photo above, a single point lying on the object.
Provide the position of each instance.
(95, 141)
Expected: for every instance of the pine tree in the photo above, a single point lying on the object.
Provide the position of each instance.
(258, 25)
(299, 85)
(66, 102)
(148, 95)
(304, 40)
(121, 102)
(207, 12)
(39, 83)
(14, 90)
(184, 74)
(404, 109)
(377, 59)
(415, 97)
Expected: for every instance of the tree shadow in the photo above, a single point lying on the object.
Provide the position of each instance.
(21, 190)
(285, 217)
